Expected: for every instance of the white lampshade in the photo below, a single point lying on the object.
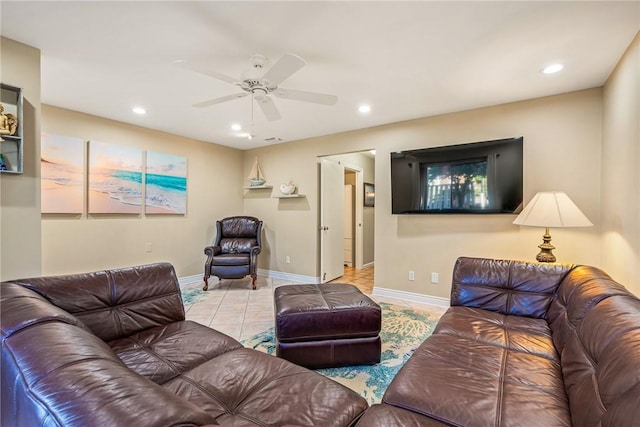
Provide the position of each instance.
(552, 209)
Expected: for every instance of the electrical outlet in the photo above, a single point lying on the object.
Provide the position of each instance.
(434, 277)
(412, 275)
(287, 259)
(148, 247)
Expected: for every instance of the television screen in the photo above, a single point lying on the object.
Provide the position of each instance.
(480, 177)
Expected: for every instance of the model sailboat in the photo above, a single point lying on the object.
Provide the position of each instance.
(256, 178)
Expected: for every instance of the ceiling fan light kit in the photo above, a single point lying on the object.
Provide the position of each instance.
(261, 85)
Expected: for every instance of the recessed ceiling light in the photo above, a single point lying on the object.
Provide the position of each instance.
(236, 127)
(364, 108)
(139, 110)
(552, 69)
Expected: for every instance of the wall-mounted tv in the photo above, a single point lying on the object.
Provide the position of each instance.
(477, 178)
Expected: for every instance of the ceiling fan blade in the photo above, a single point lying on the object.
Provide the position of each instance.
(301, 95)
(220, 100)
(269, 108)
(207, 72)
(284, 68)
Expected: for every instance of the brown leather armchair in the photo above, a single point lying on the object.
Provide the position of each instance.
(234, 253)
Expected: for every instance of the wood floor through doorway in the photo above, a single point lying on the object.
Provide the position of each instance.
(362, 279)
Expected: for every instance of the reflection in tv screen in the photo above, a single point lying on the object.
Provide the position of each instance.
(455, 186)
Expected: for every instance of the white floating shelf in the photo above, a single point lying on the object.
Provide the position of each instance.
(290, 196)
(259, 187)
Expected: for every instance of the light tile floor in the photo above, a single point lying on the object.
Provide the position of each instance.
(232, 307)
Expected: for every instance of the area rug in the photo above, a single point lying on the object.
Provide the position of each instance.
(191, 295)
(403, 330)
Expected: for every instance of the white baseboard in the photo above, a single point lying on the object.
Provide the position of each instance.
(288, 276)
(411, 296)
(368, 265)
(197, 278)
(377, 291)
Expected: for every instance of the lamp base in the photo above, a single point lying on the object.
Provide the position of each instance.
(546, 247)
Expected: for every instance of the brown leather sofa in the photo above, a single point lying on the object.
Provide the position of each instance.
(112, 348)
(523, 344)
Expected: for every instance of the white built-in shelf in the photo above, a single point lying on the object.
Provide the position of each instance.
(290, 196)
(259, 187)
(11, 146)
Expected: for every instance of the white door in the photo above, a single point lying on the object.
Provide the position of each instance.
(331, 220)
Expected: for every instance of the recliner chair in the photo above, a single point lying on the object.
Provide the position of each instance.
(234, 253)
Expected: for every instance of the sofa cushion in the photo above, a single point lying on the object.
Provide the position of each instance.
(478, 369)
(162, 353)
(22, 308)
(245, 387)
(387, 415)
(507, 287)
(237, 245)
(596, 328)
(515, 333)
(232, 259)
(116, 303)
(315, 312)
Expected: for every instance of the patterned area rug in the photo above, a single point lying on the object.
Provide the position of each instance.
(191, 295)
(403, 330)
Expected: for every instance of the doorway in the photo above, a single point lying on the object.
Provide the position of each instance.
(342, 190)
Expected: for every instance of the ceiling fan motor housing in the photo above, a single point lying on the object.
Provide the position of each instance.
(259, 92)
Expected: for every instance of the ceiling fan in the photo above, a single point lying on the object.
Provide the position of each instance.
(260, 85)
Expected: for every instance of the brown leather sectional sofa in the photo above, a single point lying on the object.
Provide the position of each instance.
(113, 348)
(523, 345)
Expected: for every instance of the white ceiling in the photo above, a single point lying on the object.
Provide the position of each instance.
(406, 59)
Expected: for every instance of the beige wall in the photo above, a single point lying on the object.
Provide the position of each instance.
(20, 253)
(562, 152)
(584, 143)
(621, 171)
(79, 243)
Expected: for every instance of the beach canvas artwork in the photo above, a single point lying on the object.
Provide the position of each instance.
(62, 174)
(115, 179)
(166, 184)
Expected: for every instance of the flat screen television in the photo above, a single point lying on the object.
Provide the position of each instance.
(477, 178)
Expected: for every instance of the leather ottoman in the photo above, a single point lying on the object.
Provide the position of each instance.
(326, 325)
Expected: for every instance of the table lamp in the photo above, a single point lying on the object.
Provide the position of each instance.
(551, 209)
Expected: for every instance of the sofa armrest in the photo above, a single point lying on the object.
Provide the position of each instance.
(116, 303)
(504, 286)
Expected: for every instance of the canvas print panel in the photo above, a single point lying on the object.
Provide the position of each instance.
(166, 184)
(62, 174)
(115, 178)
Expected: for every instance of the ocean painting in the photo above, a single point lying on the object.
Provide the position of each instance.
(166, 184)
(115, 179)
(62, 174)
